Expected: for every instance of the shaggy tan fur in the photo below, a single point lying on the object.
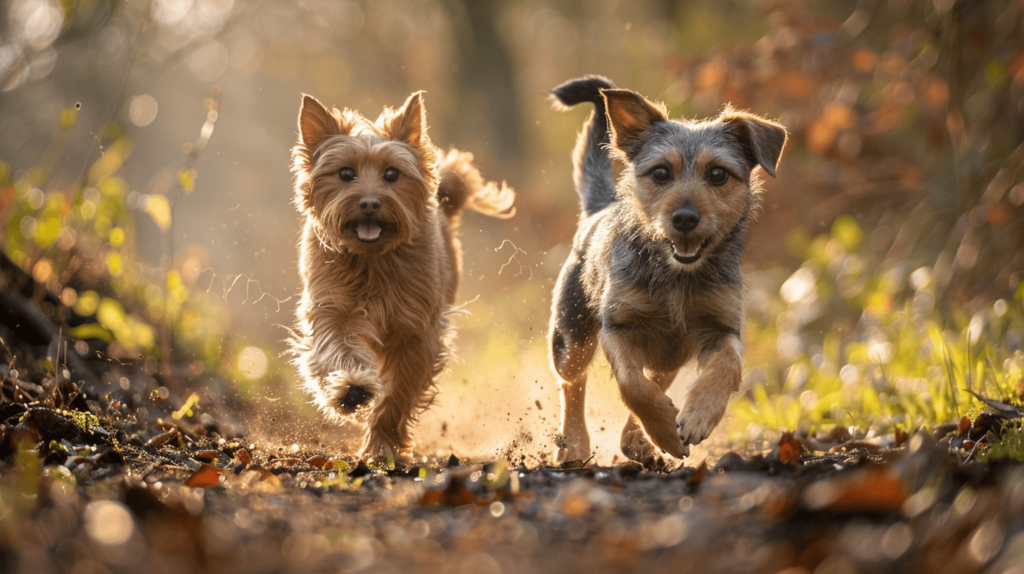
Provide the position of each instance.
(380, 262)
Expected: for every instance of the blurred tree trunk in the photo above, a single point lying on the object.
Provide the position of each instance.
(486, 72)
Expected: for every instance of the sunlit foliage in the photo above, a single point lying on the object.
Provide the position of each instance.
(843, 341)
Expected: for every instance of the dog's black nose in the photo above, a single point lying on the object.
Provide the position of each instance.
(685, 219)
(369, 205)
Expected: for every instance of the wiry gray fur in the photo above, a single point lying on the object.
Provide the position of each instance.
(653, 293)
(592, 171)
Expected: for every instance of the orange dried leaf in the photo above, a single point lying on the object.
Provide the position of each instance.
(205, 477)
(964, 425)
(243, 456)
(790, 448)
(206, 455)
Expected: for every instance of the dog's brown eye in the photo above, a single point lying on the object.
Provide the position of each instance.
(661, 174)
(717, 176)
(391, 175)
(347, 174)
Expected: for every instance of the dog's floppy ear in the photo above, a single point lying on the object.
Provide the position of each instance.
(407, 124)
(762, 139)
(315, 122)
(629, 116)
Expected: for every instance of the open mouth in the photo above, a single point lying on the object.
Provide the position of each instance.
(367, 230)
(692, 256)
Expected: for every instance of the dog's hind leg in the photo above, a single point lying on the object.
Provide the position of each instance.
(644, 398)
(721, 371)
(573, 341)
(634, 442)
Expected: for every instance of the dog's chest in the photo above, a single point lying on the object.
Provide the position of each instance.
(656, 325)
(390, 303)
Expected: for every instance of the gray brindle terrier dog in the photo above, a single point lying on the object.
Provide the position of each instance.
(654, 274)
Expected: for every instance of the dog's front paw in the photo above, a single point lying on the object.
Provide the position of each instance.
(659, 425)
(636, 446)
(695, 426)
(352, 391)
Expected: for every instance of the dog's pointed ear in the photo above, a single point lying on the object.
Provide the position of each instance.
(407, 124)
(629, 116)
(762, 139)
(316, 122)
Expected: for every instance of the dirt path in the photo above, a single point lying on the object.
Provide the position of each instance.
(126, 493)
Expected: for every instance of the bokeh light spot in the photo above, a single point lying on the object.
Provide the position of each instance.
(252, 363)
(142, 110)
(108, 522)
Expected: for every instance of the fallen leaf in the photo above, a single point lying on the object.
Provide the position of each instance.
(205, 477)
(243, 456)
(163, 438)
(318, 461)
(286, 461)
(1003, 409)
(206, 455)
(964, 425)
(790, 448)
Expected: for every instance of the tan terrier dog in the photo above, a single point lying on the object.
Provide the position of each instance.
(380, 263)
(654, 274)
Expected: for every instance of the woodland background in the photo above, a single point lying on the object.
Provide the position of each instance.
(144, 182)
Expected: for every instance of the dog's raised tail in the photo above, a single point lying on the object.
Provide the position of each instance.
(462, 187)
(592, 168)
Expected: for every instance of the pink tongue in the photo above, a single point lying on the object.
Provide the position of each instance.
(368, 231)
(690, 253)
